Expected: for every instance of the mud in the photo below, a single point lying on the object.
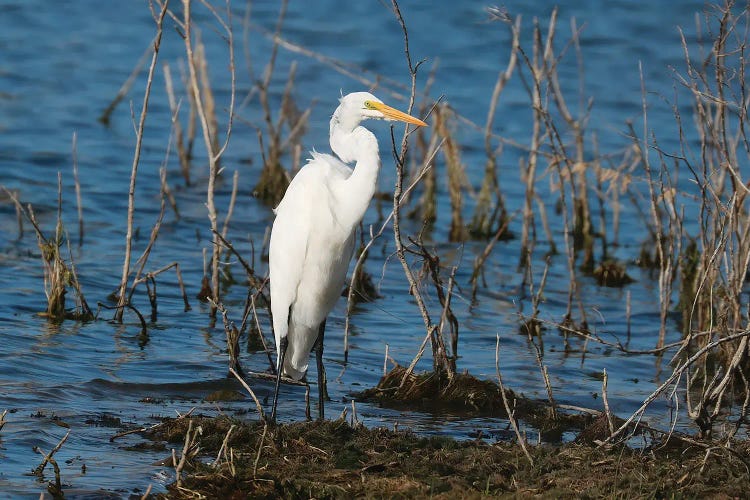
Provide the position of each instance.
(333, 459)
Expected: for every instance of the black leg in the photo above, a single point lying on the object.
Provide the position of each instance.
(282, 353)
(322, 385)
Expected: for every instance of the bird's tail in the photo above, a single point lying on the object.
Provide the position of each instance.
(297, 358)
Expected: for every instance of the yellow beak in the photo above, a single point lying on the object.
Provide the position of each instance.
(394, 114)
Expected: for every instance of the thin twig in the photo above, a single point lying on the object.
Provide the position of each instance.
(506, 404)
(134, 170)
(250, 391)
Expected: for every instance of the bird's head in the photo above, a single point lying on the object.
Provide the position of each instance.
(358, 106)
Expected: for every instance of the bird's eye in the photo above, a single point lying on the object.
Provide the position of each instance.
(369, 105)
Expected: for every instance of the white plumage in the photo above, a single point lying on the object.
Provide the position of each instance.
(312, 239)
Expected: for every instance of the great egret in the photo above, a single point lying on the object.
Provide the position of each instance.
(312, 239)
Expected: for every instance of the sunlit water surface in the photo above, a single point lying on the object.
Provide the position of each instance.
(62, 64)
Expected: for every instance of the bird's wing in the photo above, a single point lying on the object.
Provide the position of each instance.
(295, 219)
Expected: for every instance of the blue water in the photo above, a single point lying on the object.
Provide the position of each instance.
(63, 62)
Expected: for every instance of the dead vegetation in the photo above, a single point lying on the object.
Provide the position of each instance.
(333, 459)
(569, 210)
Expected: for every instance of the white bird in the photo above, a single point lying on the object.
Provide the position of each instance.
(312, 239)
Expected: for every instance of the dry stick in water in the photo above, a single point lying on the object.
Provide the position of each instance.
(490, 186)
(147, 494)
(662, 258)
(273, 179)
(250, 391)
(55, 489)
(582, 226)
(174, 106)
(50, 251)
(536, 297)
(85, 310)
(189, 450)
(676, 374)
(143, 259)
(605, 398)
(511, 416)
(152, 274)
(562, 159)
(79, 205)
(260, 332)
(233, 337)
(213, 167)
(385, 366)
(232, 200)
(479, 261)
(456, 174)
(528, 175)
(134, 171)
(447, 315)
(400, 163)
(258, 285)
(202, 99)
(418, 356)
(254, 281)
(431, 267)
(56, 297)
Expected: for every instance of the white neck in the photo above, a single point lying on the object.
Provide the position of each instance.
(354, 143)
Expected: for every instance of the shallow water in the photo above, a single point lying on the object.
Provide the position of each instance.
(63, 63)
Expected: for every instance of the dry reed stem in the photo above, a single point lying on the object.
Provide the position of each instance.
(233, 338)
(39, 469)
(147, 493)
(398, 191)
(205, 109)
(274, 179)
(538, 348)
(189, 450)
(136, 159)
(484, 215)
(260, 449)
(431, 267)
(260, 330)
(582, 227)
(57, 275)
(143, 259)
(663, 248)
(182, 153)
(79, 204)
(239, 377)
(448, 316)
(56, 278)
(426, 208)
(481, 259)
(84, 311)
(676, 374)
(152, 274)
(605, 399)
(506, 404)
(456, 174)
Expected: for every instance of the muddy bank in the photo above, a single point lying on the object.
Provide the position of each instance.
(332, 459)
(465, 395)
